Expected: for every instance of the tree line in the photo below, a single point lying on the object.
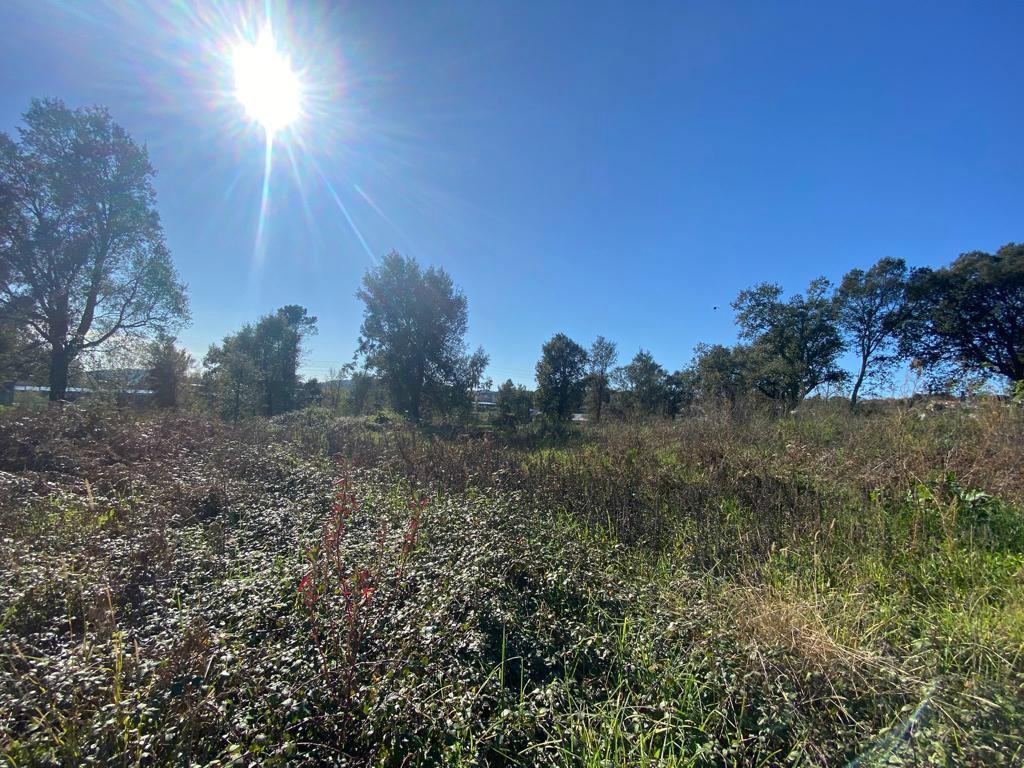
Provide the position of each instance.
(84, 265)
(959, 325)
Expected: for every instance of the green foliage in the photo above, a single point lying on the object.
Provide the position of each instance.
(182, 592)
(600, 362)
(721, 374)
(794, 344)
(681, 391)
(82, 252)
(872, 310)
(643, 387)
(255, 371)
(413, 338)
(966, 317)
(167, 371)
(361, 393)
(309, 394)
(513, 406)
(561, 378)
(22, 357)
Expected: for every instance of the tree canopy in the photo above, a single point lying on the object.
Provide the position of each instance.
(413, 337)
(970, 315)
(644, 385)
(794, 344)
(167, 367)
(82, 252)
(600, 362)
(512, 405)
(871, 310)
(720, 373)
(255, 371)
(561, 374)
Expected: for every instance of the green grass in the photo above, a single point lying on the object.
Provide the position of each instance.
(819, 592)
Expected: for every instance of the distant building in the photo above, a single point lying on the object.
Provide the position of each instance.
(485, 398)
(126, 383)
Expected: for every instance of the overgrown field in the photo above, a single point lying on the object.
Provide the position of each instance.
(821, 590)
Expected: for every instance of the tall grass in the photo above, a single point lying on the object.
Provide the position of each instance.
(816, 590)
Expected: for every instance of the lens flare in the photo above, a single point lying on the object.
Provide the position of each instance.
(266, 84)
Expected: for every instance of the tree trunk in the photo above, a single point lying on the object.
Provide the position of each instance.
(416, 394)
(858, 383)
(59, 364)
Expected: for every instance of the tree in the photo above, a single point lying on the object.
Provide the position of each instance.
(334, 387)
(413, 337)
(82, 252)
(255, 371)
(21, 355)
(311, 393)
(872, 309)
(230, 376)
(167, 371)
(360, 395)
(794, 344)
(452, 397)
(512, 405)
(278, 342)
(680, 391)
(603, 356)
(970, 314)
(720, 373)
(560, 377)
(643, 384)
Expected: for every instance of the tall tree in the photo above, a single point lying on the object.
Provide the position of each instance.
(794, 344)
(680, 391)
(413, 337)
(255, 371)
(278, 340)
(970, 314)
(561, 374)
(82, 252)
(167, 368)
(512, 405)
(720, 373)
(601, 361)
(230, 376)
(872, 309)
(643, 384)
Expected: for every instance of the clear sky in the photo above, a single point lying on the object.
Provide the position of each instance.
(589, 167)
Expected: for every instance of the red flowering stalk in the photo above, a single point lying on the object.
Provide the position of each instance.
(337, 595)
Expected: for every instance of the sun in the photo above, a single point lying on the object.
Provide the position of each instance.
(266, 84)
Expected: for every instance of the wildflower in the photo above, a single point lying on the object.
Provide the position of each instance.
(308, 590)
(363, 583)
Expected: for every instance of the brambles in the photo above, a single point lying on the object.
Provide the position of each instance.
(705, 593)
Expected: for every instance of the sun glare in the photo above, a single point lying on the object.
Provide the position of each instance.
(266, 84)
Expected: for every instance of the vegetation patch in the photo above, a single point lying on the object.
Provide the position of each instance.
(180, 592)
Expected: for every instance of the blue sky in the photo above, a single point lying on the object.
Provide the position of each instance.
(591, 168)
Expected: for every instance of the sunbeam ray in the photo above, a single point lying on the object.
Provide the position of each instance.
(259, 249)
(344, 212)
(306, 210)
